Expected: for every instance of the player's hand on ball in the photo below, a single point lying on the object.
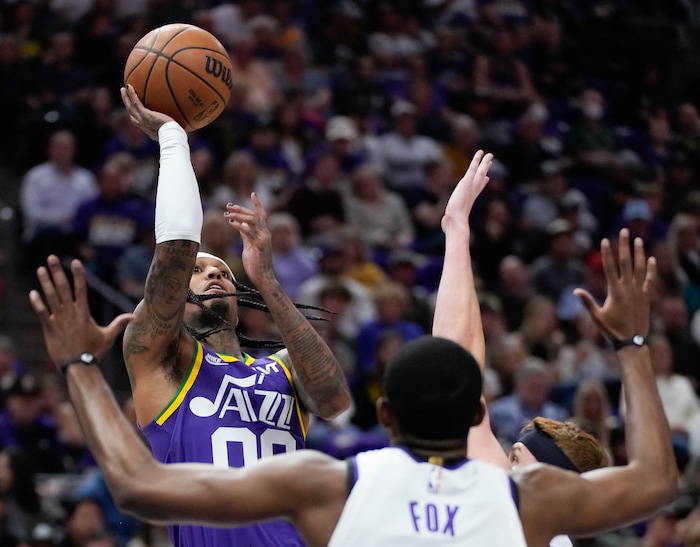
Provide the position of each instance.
(149, 121)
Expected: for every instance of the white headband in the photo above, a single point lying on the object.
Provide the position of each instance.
(202, 254)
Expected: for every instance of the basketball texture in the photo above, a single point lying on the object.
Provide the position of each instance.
(183, 71)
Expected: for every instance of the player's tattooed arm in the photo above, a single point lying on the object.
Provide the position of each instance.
(159, 317)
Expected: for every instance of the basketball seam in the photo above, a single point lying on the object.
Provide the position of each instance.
(158, 54)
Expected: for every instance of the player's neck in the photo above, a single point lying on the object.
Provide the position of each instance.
(225, 342)
(446, 450)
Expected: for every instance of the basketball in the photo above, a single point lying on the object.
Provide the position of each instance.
(183, 71)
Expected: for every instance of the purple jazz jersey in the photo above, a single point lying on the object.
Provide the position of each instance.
(230, 413)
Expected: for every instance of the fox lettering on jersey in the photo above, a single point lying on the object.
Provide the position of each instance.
(431, 518)
(275, 408)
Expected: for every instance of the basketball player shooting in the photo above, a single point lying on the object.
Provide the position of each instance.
(420, 491)
(197, 396)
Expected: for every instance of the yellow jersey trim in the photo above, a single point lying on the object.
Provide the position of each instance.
(294, 391)
(190, 377)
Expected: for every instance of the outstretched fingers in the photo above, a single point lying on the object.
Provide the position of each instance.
(624, 256)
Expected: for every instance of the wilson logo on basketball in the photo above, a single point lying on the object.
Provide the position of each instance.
(217, 69)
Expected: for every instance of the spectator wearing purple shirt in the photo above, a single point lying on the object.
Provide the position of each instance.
(104, 227)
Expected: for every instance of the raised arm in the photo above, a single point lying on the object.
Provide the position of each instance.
(613, 496)
(457, 312)
(152, 341)
(306, 487)
(318, 377)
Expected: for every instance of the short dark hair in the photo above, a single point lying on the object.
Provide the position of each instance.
(433, 386)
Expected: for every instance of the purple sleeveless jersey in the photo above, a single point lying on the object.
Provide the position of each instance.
(230, 413)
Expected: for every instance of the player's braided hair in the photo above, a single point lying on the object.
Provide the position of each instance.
(255, 301)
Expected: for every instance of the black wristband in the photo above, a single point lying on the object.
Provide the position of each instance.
(85, 358)
(637, 340)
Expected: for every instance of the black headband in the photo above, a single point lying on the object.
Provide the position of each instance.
(546, 450)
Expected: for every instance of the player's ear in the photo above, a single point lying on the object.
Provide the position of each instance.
(480, 412)
(385, 417)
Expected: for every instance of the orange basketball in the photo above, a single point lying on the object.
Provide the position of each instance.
(183, 71)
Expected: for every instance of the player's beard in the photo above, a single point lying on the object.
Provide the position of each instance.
(220, 307)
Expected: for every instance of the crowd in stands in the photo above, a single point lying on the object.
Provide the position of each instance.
(352, 120)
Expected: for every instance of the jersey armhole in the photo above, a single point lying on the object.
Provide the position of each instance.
(352, 473)
(514, 493)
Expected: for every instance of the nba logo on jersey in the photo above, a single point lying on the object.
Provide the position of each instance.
(434, 479)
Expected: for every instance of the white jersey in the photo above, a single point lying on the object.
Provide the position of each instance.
(399, 500)
(561, 541)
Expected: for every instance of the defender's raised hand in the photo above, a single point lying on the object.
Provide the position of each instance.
(467, 190)
(626, 310)
(69, 329)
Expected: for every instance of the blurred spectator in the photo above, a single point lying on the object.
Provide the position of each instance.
(403, 266)
(514, 288)
(463, 141)
(529, 147)
(23, 424)
(502, 77)
(294, 72)
(678, 398)
(95, 127)
(684, 245)
(241, 177)
(494, 238)
(100, 539)
(592, 411)
(9, 361)
(333, 267)
(357, 92)
(687, 133)
(379, 213)
(404, 153)
(540, 331)
(428, 207)
(127, 137)
(265, 146)
(93, 487)
(558, 268)
(24, 506)
(391, 301)
(681, 179)
(637, 216)
(61, 82)
(50, 196)
(574, 208)
(594, 281)
(342, 141)
(262, 95)
(541, 206)
(367, 387)
(555, 61)
(105, 226)
(293, 262)
(362, 265)
(591, 142)
(335, 297)
(675, 325)
(530, 399)
(85, 518)
(296, 134)
(318, 203)
(134, 264)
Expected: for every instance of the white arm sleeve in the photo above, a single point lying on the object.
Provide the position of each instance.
(178, 204)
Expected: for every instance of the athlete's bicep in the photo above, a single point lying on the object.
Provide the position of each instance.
(159, 317)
